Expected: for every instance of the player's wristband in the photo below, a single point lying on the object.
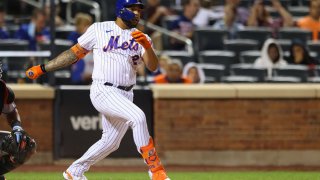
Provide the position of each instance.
(43, 68)
(16, 125)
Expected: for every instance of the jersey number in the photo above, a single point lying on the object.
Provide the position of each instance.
(135, 59)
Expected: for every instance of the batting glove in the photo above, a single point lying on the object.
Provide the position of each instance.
(141, 38)
(35, 71)
(19, 136)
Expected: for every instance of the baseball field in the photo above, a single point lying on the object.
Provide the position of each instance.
(54, 172)
(277, 175)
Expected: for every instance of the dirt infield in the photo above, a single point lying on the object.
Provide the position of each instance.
(60, 168)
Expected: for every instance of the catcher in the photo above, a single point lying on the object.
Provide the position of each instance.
(16, 146)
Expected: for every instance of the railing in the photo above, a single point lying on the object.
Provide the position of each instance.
(175, 35)
(93, 4)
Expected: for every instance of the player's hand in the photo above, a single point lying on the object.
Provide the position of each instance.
(141, 38)
(34, 72)
(18, 135)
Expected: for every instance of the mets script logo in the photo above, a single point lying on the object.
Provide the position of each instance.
(114, 44)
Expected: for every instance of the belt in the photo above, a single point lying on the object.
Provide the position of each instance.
(125, 88)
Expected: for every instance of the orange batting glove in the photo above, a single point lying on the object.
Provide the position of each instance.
(35, 71)
(141, 38)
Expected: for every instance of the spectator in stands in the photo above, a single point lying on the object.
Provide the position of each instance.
(242, 12)
(205, 14)
(193, 72)
(82, 22)
(299, 54)
(80, 73)
(184, 25)
(259, 16)
(35, 32)
(173, 74)
(164, 62)
(312, 21)
(58, 20)
(271, 56)
(229, 22)
(3, 33)
(154, 13)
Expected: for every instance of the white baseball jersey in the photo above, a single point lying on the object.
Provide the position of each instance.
(116, 55)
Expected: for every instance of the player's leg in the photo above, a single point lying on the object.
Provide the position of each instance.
(113, 132)
(124, 108)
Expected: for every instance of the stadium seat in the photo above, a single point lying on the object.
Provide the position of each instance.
(283, 79)
(298, 71)
(249, 70)
(284, 3)
(249, 57)
(183, 56)
(245, 3)
(299, 11)
(64, 31)
(257, 33)
(60, 46)
(208, 39)
(13, 45)
(314, 46)
(284, 43)
(314, 80)
(213, 72)
(296, 3)
(239, 79)
(225, 58)
(305, 2)
(295, 33)
(239, 45)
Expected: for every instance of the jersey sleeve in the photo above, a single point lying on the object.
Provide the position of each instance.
(88, 39)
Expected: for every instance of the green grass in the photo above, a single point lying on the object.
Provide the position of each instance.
(275, 175)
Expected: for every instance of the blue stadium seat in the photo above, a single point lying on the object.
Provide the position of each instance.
(225, 58)
(295, 33)
(208, 39)
(297, 71)
(213, 72)
(239, 45)
(183, 56)
(249, 57)
(249, 70)
(256, 33)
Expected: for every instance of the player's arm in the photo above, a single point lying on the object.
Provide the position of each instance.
(66, 58)
(149, 57)
(12, 115)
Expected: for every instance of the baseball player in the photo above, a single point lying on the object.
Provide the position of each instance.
(118, 49)
(16, 147)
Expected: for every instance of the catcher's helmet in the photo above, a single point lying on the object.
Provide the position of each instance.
(124, 13)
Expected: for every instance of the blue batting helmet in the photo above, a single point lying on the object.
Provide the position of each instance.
(124, 13)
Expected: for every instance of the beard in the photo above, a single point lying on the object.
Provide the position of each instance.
(132, 23)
